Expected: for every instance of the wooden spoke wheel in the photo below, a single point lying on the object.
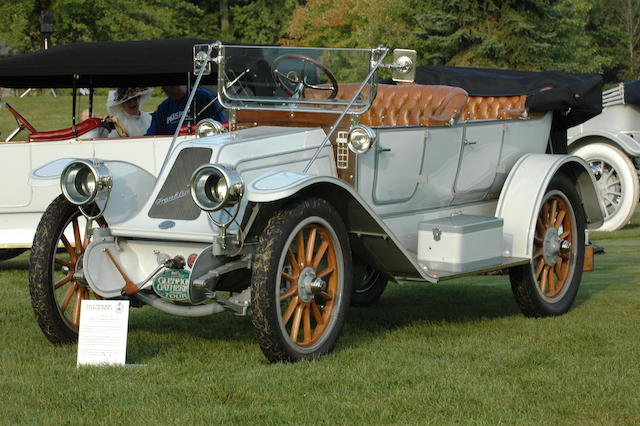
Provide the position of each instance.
(549, 284)
(301, 282)
(55, 280)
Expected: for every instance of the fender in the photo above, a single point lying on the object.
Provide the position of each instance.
(371, 237)
(132, 185)
(524, 189)
(628, 144)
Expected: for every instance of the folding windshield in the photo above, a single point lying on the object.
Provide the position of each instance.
(294, 79)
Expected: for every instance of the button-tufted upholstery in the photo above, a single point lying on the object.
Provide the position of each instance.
(415, 105)
(490, 107)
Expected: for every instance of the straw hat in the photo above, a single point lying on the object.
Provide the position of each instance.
(122, 94)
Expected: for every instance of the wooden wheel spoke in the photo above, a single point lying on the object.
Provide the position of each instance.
(292, 307)
(63, 281)
(300, 244)
(540, 227)
(311, 242)
(326, 295)
(76, 235)
(295, 326)
(326, 271)
(293, 290)
(565, 234)
(319, 254)
(306, 320)
(291, 279)
(560, 218)
(538, 240)
(68, 247)
(559, 270)
(539, 267)
(546, 216)
(75, 315)
(554, 212)
(316, 313)
(67, 297)
(552, 281)
(59, 261)
(294, 263)
(543, 281)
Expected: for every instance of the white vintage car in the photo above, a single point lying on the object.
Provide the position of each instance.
(92, 65)
(610, 143)
(327, 186)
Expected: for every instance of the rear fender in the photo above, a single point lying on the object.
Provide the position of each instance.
(524, 190)
(626, 143)
(371, 239)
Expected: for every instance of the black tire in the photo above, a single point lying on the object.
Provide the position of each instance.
(54, 260)
(285, 256)
(368, 284)
(544, 288)
(6, 254)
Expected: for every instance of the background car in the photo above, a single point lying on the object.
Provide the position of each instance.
(610, 142)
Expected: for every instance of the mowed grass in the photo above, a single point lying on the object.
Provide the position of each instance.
(455, 352)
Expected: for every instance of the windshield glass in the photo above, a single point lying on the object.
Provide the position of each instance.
(300, 79)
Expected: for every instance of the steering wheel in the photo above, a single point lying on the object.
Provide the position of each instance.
(22, 122)
(300, 81)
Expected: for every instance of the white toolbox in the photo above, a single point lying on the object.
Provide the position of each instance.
(460, 243)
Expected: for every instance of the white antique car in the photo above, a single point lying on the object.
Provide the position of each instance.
(610, 143)
(327, 186)
(104, 64)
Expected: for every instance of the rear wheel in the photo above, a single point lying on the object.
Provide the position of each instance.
(301, 282)
(56, 256)
(618, 183)
(548, 285)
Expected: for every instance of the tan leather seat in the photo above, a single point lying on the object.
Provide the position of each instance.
(411, 105)
(494, 107)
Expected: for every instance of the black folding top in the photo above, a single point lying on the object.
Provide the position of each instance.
(577, 97)
(103, 64)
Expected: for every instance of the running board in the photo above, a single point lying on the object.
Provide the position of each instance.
(507, 262)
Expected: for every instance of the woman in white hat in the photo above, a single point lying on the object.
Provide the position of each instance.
(124, 104)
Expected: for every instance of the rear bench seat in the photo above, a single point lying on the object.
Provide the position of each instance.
(494, 107)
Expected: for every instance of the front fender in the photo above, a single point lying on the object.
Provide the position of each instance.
(524, 190)
(371, 239)
(628, 144)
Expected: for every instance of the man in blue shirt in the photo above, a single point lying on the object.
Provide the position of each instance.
(165, 119)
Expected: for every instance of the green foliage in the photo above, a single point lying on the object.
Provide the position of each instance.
(351, 23)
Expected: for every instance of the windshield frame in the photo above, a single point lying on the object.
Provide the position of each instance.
(292, 104)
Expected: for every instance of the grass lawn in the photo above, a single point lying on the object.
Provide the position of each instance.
(456, 352)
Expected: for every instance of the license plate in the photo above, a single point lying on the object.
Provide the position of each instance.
(172, 285)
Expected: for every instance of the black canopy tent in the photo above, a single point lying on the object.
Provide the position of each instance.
(140, 63)
(161, 62)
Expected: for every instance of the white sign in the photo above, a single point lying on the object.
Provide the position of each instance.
(102, 338)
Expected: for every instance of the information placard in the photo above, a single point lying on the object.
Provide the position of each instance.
(102, 338)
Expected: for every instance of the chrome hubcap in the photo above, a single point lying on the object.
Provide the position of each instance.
(309, 285)
(553, 246)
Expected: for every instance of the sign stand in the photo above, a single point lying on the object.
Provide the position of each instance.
(102, 338)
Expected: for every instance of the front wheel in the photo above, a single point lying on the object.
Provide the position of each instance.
(301, 282)
(549, 284)
(56, 288)
(618, 183)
